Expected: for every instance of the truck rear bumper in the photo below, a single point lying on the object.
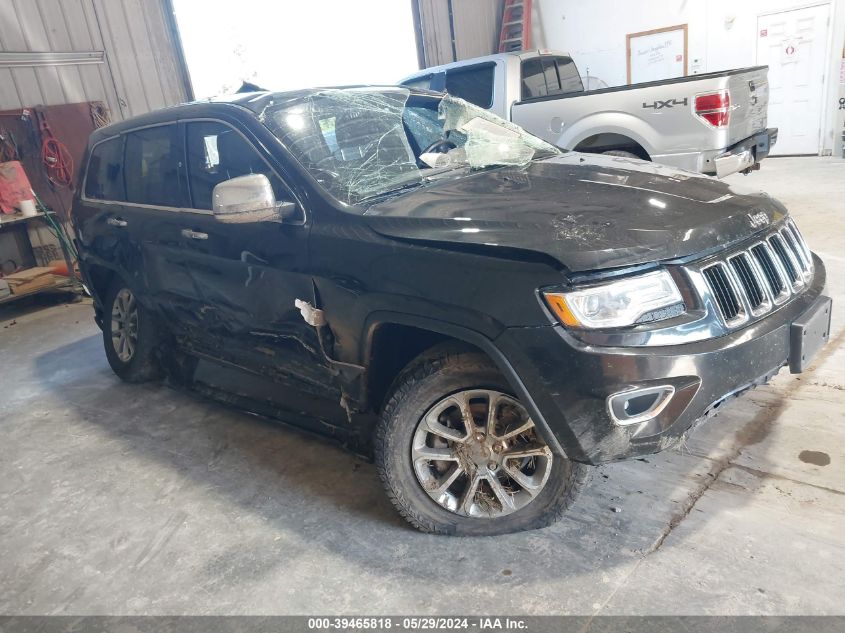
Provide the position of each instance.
(746, 154)
(737, 157)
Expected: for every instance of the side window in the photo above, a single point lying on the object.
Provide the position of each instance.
(104, 180)
(472, 84)
(216, 152)
(152, 166)
(543, 76)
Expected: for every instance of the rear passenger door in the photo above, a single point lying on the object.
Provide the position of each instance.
(249, 274)
(101, 219)
(134, 183)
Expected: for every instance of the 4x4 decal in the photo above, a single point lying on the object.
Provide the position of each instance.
(658, 105)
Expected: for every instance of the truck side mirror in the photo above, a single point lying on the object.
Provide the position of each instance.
(248, 198)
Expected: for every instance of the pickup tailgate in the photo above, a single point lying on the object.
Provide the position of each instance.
(749, 103)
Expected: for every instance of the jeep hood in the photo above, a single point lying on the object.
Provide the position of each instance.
(586, 211)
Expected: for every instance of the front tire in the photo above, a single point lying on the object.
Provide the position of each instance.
(458, 454)
(129, 335)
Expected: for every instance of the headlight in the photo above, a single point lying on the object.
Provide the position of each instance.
(617, 303)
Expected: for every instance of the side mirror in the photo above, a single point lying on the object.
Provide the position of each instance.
(248, 198)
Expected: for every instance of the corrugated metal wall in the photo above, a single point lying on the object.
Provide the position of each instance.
(127, 54)
(475, 24)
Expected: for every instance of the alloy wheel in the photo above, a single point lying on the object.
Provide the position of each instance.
(477, 453)
(124, 325)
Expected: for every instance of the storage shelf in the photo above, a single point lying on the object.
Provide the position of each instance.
(17, 218)
(62, 284)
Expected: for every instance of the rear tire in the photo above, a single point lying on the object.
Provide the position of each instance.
(129, 335)
(543, 488)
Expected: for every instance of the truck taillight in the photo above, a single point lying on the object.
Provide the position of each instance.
(714, 107)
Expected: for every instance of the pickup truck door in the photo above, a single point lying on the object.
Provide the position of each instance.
(248, 275)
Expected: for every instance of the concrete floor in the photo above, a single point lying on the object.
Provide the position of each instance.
(119, 499)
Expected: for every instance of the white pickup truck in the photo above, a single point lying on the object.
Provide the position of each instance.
(713, 123)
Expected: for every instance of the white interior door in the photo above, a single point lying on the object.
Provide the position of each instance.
(793, 45)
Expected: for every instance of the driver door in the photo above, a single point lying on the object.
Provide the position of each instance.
(249, 274)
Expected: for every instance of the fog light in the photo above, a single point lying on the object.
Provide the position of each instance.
(639, 405)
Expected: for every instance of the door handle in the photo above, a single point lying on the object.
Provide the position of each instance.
(194, 235)
(117, 222)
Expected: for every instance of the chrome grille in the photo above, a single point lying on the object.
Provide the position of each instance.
(751, 282)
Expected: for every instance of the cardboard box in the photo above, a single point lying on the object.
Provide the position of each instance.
(30, 280)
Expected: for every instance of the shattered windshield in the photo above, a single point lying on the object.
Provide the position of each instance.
(359, 144)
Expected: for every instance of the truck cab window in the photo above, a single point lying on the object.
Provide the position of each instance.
(533, 79)
(570, 80)
(544, 76)
(473, 84)
(105, 171)
(216, 152)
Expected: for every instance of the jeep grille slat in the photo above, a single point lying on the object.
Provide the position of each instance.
(726, 298)
(776, 283)
(808, 256)
(752, 288)
(783, 256)
(795, 248)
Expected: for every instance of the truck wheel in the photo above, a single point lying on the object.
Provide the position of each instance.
(621, 152)
(458, 453)
(129, 335)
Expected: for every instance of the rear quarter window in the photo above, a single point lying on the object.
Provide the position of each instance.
(473, 84)
(104, 179)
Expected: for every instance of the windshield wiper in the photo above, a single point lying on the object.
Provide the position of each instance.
(436, 172)
(388, 192)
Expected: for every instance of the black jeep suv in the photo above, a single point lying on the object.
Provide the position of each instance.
(485, 314)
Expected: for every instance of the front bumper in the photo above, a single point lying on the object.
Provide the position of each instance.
(569, 382)
(746, 154)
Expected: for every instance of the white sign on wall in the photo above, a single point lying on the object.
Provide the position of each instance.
(657, 54)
